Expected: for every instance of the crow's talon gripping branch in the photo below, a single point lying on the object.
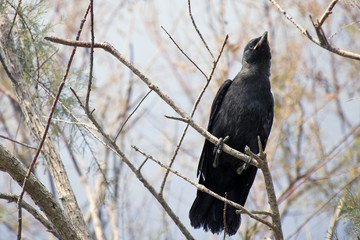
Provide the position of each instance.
(242, 167)
(246, 164)
(218, 150)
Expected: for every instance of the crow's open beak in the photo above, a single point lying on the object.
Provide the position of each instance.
(262, 40)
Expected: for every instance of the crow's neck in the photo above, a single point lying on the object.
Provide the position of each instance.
(262, 68)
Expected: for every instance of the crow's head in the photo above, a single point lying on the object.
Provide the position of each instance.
(257, 51)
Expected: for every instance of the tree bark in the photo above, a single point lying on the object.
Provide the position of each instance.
(10, 58)
(39, 194)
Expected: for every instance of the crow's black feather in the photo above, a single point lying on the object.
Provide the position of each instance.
(243, 109)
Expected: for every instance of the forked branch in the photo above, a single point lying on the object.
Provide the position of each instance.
(322, 40)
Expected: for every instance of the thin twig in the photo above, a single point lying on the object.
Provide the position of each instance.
(98, 229)
(22, 144)
(113, 147)
(257, 212)
(142, 164)
(132, 113)
(28, 28)
(72, 123)
(91, 54)
(316, 212)
(224, 217)
(327, 157)
(109, 48)
(298, 26)
(98, 127)
(319, 42)
(320, 33)
(182, 51)
(343, 27)
(13, 21)
(327, 12)
(197, 30)
(177, 118)
(197, 101)
(21, 195)
(212, 71)
(205, 189)
(45, 222)
(9, 95)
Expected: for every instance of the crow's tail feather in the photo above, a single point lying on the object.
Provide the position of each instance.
(208, 212)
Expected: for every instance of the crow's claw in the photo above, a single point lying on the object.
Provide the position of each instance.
(218, 150)
(241, 168)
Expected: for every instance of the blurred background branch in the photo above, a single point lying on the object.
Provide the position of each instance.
(313, 149)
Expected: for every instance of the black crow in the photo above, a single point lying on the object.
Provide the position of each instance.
(242, 110)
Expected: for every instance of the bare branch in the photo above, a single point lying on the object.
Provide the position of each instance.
(15, 15)
(197, 101)
(177, 118)
(257, 212)
(328, 156)
(327, 12)
(321, 42)
(127, 119)
(270, 190)
(142, 164)
(113, 147)
(320, 33)
(109, 48)
(182, 51)
(73, 123)
(334, 218)
(224, 217)
(46, 223)
(40, 195)
(276, 220)
(91, 53)
(206, 190)
(20, 143)
(197, 30)
(9, 95)
(318, 209)
(98, 229)
(47, 128)
(10, 60)
(298, 26)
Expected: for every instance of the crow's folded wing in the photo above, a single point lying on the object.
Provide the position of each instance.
(207, 154)
(267, 123)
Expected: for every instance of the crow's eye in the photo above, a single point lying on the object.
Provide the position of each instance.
(251, 46)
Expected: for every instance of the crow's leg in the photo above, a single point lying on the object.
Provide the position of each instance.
(245, 164)
(241, 167)
(218, 150)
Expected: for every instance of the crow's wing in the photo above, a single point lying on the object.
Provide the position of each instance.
(267, 122)
(208, 146)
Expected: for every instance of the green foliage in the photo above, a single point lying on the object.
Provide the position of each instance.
(351, 213)
(42, 70)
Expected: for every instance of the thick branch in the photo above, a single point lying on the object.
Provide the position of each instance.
(270, 190)
(61, 225)
(49, 226)
(9, 57)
